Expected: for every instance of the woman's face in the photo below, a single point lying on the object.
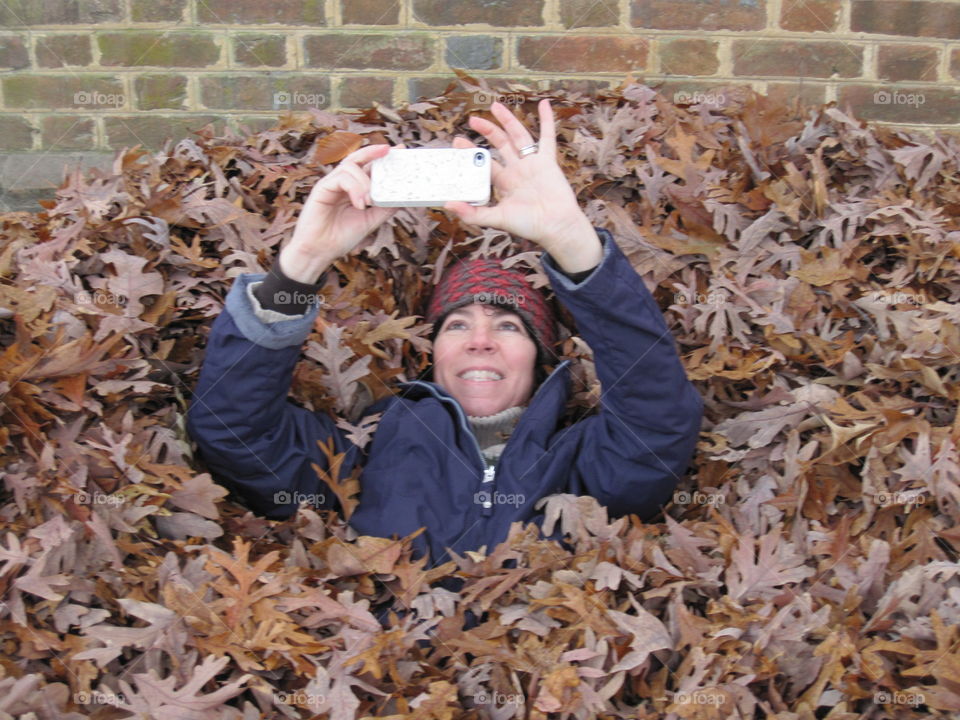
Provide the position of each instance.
(485, 358)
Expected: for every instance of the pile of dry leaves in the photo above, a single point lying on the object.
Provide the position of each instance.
(808, 267)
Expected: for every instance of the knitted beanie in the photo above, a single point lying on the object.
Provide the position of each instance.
(484, 281)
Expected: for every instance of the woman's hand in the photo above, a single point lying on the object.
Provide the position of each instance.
(336, 217)
(536, 201)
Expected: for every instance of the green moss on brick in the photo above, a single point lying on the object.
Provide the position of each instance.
(173, 49)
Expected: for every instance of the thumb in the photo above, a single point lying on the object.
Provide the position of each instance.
(484, 215)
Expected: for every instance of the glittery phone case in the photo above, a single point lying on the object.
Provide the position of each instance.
(423, 177)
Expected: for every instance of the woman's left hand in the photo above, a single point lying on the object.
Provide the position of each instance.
(536, 201)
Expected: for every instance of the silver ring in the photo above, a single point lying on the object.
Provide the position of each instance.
(529, 149)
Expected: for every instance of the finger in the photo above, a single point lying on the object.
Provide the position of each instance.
(495, 136)
(518, 134)
(484, 216)
(548, 129)
(462, 142)
(366, 154)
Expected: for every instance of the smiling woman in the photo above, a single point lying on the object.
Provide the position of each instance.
(473, 450)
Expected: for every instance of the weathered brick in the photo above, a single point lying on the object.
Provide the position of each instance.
(250, 124)
(96, 92)
(262, 92)
(906, 17)
(390, 52)
(152, 131)
(251, 50)
(259, 12)
(359, 91)
(56, 51)
(582, 53)
(157, 10)
(586, 86)
(16, 133)
(717, 94)
(14, 13)
(688, 56)
(370, 12)
(161, 92)
(475, 52)
(589, 13)
(13, 52)
(955, 64)
(907, 62)
(698, 14)
(502, 13)
(786, 58)
(419, 88)
(160, 49)
(807, 93)
(810, 15)
(68, 132)
(909, 105)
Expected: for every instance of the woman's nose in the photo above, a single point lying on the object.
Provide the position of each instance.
(481, 338)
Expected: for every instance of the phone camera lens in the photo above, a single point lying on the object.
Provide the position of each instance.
(478, 159)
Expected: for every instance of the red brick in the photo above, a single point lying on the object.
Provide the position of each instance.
(906, 17)
(360, 91)
(785, 58)
(698, 14)
(68, 132)
(159, 49)
(589, 13)
(582, 53)
(807, 93)
(16, 13)
(260, 12)
(56, 51)
(938, 105)
(429, 87)
(907, 62)
(100, 92)
(260, 50)
(16, 133)
(264, 92)
(13, 52)
(810, 15)
(408, 51)
(502, 13)
(152, 131)
(688, 56)
(585, 86)
(370, 12)
(157, 10)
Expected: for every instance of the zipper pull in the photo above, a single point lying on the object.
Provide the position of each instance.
(488, 473)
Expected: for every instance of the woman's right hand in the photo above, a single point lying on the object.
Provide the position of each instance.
(336, 217)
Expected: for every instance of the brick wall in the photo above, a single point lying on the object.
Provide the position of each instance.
(89, 76)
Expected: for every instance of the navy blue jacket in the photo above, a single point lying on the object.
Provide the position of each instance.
(423, 466)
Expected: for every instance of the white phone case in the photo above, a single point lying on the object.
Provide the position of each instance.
(429, 177)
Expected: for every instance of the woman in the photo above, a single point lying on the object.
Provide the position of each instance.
(439, 458)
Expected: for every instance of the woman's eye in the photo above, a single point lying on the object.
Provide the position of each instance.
(509, 325)
(455, 324)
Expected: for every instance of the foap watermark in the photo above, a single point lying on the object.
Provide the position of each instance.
(907, 497)
(97, 497)
(283, 497)
(699, 298)
(488, 98)
(290, 100)
(898, 697)
(898, 297)
(94, 98)
(284, 297)
(99, 298)
(299, 698)
(892, 97)
(712, 99)
(498, 298)
(699, 697)
(499, 699)
(489, 499)
(95, 697)
(682, 497)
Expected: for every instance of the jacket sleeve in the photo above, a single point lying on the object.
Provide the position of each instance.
(634, 451)
(251, 437)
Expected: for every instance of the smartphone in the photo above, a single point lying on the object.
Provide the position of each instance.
(429, 177)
